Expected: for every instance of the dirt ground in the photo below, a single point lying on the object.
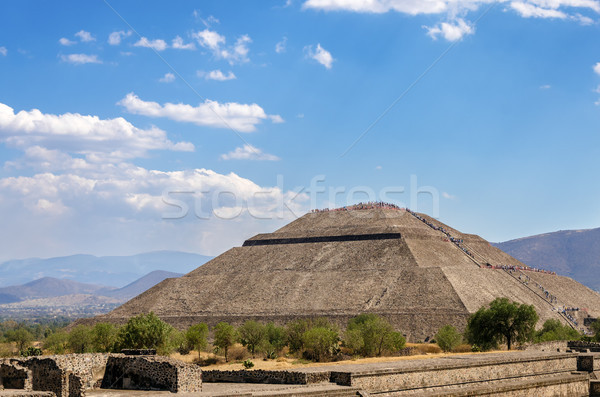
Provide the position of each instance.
(283, 363)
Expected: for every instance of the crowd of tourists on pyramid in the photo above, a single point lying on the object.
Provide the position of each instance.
(456, 241)
(512, 268)
(370, 205)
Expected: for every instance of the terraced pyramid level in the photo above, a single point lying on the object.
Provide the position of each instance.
(408, 267)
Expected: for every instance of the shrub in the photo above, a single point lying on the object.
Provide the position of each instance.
(80, 339)
(554, 330)
(248, 364)
(56, 343)
(320, 342)
(294, 332)
(448, 338)
(104, 337)
(238, 352)
(274, 341)
(31, 351)
(370, 335)
(145, 331)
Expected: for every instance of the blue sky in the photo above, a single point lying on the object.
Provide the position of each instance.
(117, 116)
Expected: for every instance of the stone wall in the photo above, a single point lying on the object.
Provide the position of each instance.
(435, 376)
(551, 346)
(72, 375)
(262, 376)
(151, 373)
(14, 376)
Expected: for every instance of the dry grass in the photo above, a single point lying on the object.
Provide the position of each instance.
(428, 348)
(462, 349)
(427, 351)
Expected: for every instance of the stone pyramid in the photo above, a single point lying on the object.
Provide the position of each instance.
(415, 271)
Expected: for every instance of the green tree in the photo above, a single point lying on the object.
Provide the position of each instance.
(196, 336)
(370, 335)
(21, 336)
(225, 337)
(80, 339)
(104, 337)
(252, 335)
(294, 331)
(448, 338)
(275, 340)
(553, 329)
(145, 331)
(504, 321)
(320, 342)
(56, 342)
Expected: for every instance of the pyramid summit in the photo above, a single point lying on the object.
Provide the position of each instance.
(408, 267)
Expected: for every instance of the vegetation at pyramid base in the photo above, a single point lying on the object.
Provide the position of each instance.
(503, 322)
(554, 330)
(369, 335)
(366, 335)
(448, 338)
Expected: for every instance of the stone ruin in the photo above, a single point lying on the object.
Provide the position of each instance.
(72, 375)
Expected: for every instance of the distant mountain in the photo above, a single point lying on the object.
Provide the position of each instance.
(47, 287)
(140, 285)
(115, 271)
(573, 253)
(50, 296)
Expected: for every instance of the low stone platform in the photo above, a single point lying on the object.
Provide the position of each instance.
(242, 389)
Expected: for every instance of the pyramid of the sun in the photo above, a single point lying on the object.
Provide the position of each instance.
(342, 263)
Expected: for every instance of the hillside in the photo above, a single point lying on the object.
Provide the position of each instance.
(573, 253)
(116, 271)
(417, 272)
(48, 287)
(140, 285)
(49, 296)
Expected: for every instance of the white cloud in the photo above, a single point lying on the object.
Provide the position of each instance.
(238, 53)
(3, 51)
(451, 31)
(582, 19)
(276, 119)
(411, 7)
(241, 117)
(280, 46)
(249, 152)
(80, 59)
(86, 135)
(209, 39)
(216, 75)
(115, 37)
(167, 78)
(378, 168)
(545, 87)
(178, 44)
(66, 42)
(528, 10)
(451, 9)
(320, 55)
(597, 68)
(448, 196)
(85, 36)
(157, 45)
(126, 209)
